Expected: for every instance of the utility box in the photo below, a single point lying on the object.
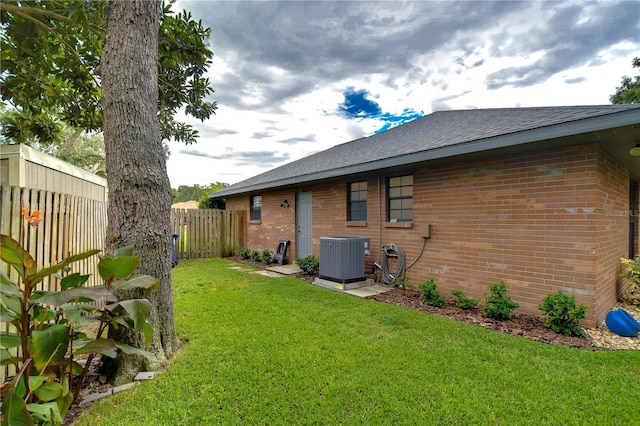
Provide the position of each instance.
(342, 258)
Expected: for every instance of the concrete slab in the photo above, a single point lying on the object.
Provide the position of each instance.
(124, 387)
(285, 269)
(145, 375)
(267, 273)
(360, 289)
(94, 397)
(340, 286)
(369, 291)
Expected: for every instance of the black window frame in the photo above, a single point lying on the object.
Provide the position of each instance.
(401, 194)
(255, 209)
(357, 208)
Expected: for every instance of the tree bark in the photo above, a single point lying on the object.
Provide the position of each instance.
(139, 189)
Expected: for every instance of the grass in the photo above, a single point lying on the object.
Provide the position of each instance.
(279, 351)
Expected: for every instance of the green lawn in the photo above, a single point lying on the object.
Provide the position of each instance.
(279, 351)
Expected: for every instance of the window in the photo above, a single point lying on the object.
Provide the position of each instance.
(400, 199)
(256, 207)
(357, 203)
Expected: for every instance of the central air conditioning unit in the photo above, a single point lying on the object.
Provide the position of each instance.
(342, 259)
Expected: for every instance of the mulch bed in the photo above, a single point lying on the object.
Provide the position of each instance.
(520, 324)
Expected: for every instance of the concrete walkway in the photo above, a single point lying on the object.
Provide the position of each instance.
(363, 289)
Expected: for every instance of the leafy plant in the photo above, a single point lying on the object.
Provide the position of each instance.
(256, 256)
(463, 301)
(430, 294)
(309, 264)
(48, 327)
(400, 282)
(245, 252)
(562, 314)
(632, 273)
(499, 305)
(266, 257)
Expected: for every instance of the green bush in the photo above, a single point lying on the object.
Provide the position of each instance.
(562, 314)
(632, 273)
(46, 327)
(266, 257)
(256, 256)
(499, 305)
(309, 264)
(430, 294)
(245, 252)
(465, 302)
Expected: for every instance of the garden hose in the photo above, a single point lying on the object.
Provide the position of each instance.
(392, 250)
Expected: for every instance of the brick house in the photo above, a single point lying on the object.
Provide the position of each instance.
(545, 199)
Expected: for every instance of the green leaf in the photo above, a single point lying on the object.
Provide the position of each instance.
(130, 350)
(14, 410)
(49, 345)
(48, 413)
(121, 267)
(76, 313)
(37, 277)
(9, 309)
(21, 387)
(138, 309)
(76, 368)
(7, 359)
(110, 353)
(12, 253)
(141, 281)
(148, 333)
(64, 403)
(35, 382)
(48, 391)
(9, 340)
(73, 280)
(124, 252)
(5, 280)
(58, 298)
(97, 346)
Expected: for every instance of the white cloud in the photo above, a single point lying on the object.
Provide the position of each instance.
(282, 68)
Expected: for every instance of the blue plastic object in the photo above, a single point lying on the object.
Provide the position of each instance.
(622, 323)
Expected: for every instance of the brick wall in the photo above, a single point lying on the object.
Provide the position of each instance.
(535, 221)
(613, 231)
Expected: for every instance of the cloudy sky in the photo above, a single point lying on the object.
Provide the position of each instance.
(293, 78)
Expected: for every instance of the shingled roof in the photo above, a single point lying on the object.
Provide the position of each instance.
(440, 135)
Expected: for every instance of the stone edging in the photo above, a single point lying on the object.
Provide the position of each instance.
(145, 375)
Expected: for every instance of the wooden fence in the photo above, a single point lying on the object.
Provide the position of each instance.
(208, 233)
(70, 225)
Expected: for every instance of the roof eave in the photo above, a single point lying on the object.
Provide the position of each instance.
(593, 124)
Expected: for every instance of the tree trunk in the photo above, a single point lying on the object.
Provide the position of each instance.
(139, 189)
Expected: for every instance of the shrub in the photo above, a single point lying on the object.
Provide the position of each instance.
(562, 314)
(245, 252)
(430, 294)
(499, 305)
(266, 257)
(256, 256)
(465, 302)
(309, 264)
(632, 273)
(46, 326)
